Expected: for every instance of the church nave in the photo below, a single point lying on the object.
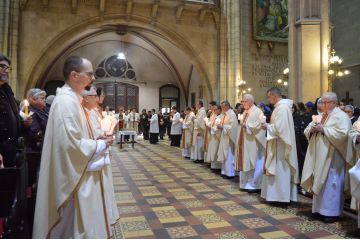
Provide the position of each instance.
(162, 195)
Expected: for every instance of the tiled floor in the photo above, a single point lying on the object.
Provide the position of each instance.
(162, 195)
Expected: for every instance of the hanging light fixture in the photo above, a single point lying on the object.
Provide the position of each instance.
(242, 88)
(121, 55)
(335, 69)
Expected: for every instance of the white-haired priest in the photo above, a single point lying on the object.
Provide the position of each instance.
(250, 146)
(327, 158)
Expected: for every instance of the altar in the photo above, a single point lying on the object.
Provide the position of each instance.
(121, 136)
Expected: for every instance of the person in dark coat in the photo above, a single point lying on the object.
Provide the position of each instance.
(144, 122)
(162, 125)
(10, 122)
(40, 117)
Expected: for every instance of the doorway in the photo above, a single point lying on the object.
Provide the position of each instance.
(169, 97)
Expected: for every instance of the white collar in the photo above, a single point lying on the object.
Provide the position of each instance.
(66, 89)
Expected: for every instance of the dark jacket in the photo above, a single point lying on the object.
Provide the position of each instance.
(9, 124)
(144, 120)
(37, 128)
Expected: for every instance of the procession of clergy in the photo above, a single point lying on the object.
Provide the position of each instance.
(75, 197)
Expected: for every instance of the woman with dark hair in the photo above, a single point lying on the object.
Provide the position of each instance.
(301, 107)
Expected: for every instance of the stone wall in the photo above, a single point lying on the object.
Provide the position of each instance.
(243, 59)
(345, 40)
(9, 32)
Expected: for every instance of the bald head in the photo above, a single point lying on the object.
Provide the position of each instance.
(78, 73)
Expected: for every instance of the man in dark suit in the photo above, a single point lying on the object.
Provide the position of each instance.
(10, 122)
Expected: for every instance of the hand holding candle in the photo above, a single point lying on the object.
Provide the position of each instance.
(206, 121)
(357, 126)
(240, 117)
(316, 119)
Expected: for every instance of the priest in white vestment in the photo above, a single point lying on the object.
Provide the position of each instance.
(214, 139)
(154, 127)
(197, 149)
(90, 103)
(280, 179)
(250, 146)
(134, 119)
(187, 133)
(70, 198)
(208, 123)
(327, 158)
(354, 172)
(226, 152)
(176, 128)
(127, 120)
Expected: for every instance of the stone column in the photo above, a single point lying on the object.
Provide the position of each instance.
(4, 25)
(309, 37)
(230, 51)
(9, 25)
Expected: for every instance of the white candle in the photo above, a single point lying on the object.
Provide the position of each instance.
(357, 125)
(316, 118)
(106, 124)
(206, 120)
(26, 108)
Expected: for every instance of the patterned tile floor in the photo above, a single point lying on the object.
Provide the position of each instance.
(162, 195)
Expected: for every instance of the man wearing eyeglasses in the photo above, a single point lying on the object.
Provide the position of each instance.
(10, 123)
(70, 197)
(328, 156)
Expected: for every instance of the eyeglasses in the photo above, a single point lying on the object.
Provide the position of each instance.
(89, 74)
(5, 67)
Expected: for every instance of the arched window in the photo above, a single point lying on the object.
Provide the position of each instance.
(115, 67)
(120, 94)
(169, 96)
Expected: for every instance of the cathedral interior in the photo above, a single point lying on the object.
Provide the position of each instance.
(159, 54)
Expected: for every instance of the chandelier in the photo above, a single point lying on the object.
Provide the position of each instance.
(334, 67)
(242, 88)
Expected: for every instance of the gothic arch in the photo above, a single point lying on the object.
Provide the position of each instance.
(113, 22)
